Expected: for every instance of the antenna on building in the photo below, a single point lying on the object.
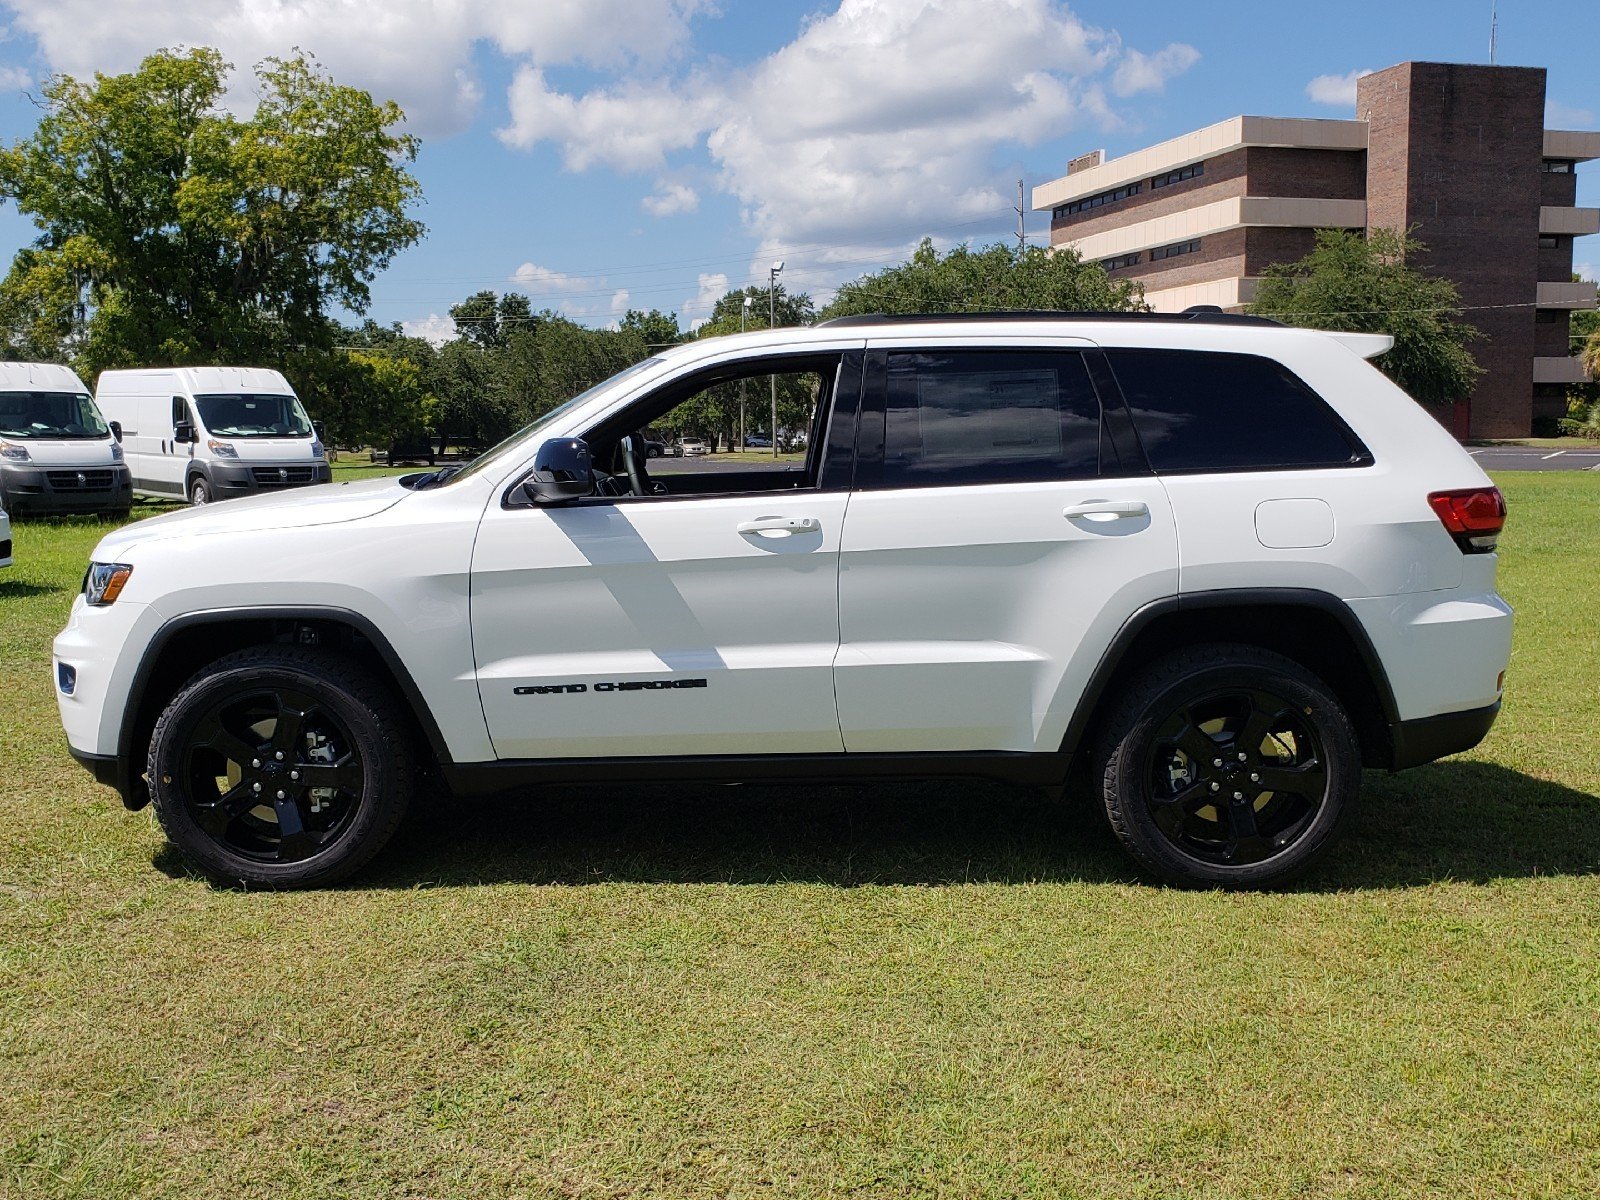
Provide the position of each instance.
(1022, 229)
(1494, 29)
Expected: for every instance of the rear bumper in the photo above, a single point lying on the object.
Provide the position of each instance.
(1423, 740)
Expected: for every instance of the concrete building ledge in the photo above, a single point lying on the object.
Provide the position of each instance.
(1566, 295)
(1580, 145)
(1577, 222)
(1229, 293)
(1309, 133)
(1220, 216)
(1559, 370)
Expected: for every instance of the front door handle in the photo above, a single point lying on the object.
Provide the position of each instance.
(781, 526)
(1107, 510)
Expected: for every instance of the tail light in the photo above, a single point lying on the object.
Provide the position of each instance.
(1474, 517)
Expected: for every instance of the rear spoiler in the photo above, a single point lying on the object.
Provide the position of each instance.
(1368, 345)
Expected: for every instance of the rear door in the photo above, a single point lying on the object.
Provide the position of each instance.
(1003, 527)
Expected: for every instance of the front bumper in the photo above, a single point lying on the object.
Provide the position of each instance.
(229, 479)
(45, 489)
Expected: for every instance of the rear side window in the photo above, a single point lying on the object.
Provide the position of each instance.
(982, 416)
(1199, 411)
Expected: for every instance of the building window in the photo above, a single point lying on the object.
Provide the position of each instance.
(1093, 202)
(1122, 261)
(1549, 241)
(1177, 248)
(1178, 176)
(1557, 166)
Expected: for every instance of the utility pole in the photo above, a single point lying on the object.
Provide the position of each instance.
(1022, 229)
(744, 312)
(1494, 30)
(772, 322)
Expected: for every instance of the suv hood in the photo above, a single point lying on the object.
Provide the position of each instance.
(296, 508)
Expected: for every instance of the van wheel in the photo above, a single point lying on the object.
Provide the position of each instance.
(1227, 766)
(281, 767)
(199, 490)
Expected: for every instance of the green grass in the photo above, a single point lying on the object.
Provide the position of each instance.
(930, 990)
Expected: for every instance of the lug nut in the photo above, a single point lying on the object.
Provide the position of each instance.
(1236, 795)
(1241, 756)
(281, 796)
(1254, 778)
(279, 756)
(255, 762)
(255, 787)
(294, 774)
(1216, 787)
(1216, 762)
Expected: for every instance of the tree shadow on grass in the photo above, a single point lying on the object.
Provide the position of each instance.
(14, 589)
(1467, 821)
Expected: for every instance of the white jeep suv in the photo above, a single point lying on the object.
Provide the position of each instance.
(1221, 563)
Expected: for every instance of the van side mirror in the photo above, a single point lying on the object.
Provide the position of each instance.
(562, 471)
(316, 428)
(183, 432)
(116, 430)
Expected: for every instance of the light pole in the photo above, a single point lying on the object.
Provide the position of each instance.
(743, 313)
(772, 321)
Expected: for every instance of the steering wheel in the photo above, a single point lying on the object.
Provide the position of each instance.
(633, 456)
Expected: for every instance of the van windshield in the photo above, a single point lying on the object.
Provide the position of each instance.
(50, 415)
(249, 414)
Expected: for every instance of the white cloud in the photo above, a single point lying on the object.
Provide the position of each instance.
(578, 297)
(419, 52)
(1149, 72)
(619, 302)
(632, 128)
(15, 78)
(1566, 116)
(432, 328)
(1338, 91)
(671, 199)
(712, 288)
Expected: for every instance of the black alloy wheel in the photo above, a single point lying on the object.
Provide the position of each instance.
(280, 766)
(1227, 766)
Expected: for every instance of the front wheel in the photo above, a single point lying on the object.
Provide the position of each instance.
(199, 491)
(1227, 766)
(281, 767)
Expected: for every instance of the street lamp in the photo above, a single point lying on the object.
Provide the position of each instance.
(744, 312)
(772, 321)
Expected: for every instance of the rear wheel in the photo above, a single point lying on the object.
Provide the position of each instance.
(1227, 766)
(280, 766)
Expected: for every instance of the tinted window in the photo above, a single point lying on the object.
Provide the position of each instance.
(243, 415)
(1197, 411)
(989, 416)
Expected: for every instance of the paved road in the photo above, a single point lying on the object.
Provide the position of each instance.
(1533, 458)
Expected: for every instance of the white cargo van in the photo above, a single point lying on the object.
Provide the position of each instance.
(212, 433)
(57, 454)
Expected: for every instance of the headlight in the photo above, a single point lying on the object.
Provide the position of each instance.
(116, 452)
(317, 449)
(221, 449)
(13, 451)
(104, 582)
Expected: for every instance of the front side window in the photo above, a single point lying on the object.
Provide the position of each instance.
(252, 414)
(1201, 411)
(68, 415)
(982, 416)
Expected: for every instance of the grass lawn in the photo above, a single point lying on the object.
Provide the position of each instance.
(936, 990)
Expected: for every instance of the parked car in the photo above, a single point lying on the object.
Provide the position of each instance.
(758, 440)
(5, 537)
(654, 448)
(211, 433)
(416, 449)
(1219, 564)
(693, 447)
(57, 452)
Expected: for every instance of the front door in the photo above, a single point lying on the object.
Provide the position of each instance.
(1003, 528)
(698, 618)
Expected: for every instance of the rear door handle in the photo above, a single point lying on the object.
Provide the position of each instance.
(784, 526)
(1107, 509)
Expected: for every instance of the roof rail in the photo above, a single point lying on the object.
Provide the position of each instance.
(1200, 314)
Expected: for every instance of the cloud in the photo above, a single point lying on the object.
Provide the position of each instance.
(619, 302)
(1149, 72)
(1565, 116)
(15, 78)
(578, 297)
(712, 288)
(419, 52)
(671, 199)
(432, 328)
(1338, 91)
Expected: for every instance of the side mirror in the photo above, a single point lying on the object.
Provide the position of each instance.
(316, 428)
(116, 430)
(183, 432)
(562, 471)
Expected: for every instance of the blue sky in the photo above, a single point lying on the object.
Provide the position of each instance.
(605, 154)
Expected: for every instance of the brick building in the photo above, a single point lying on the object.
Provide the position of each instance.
(1458, 153)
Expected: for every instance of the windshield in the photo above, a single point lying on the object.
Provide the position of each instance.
(50, 415)
(494, 454)
(249, 414)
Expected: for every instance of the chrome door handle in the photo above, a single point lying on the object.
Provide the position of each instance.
(1107, 509)
(787, 526)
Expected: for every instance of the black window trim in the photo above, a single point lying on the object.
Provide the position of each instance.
(1360, 457)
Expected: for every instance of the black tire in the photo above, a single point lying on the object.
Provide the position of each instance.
(1187, 752)
(199, 491)
(214, 763)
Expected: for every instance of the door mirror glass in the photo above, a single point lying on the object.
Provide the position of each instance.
(562, 471)
(116, 430)
(183, 432)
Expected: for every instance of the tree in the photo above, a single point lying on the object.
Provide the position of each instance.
(657, 329)
(715, 413)
(172, 231)
(994, 278)
(490, 320)
(1366, 285)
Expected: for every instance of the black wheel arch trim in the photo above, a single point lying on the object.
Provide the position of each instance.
(1324, 602)
(128, 779)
